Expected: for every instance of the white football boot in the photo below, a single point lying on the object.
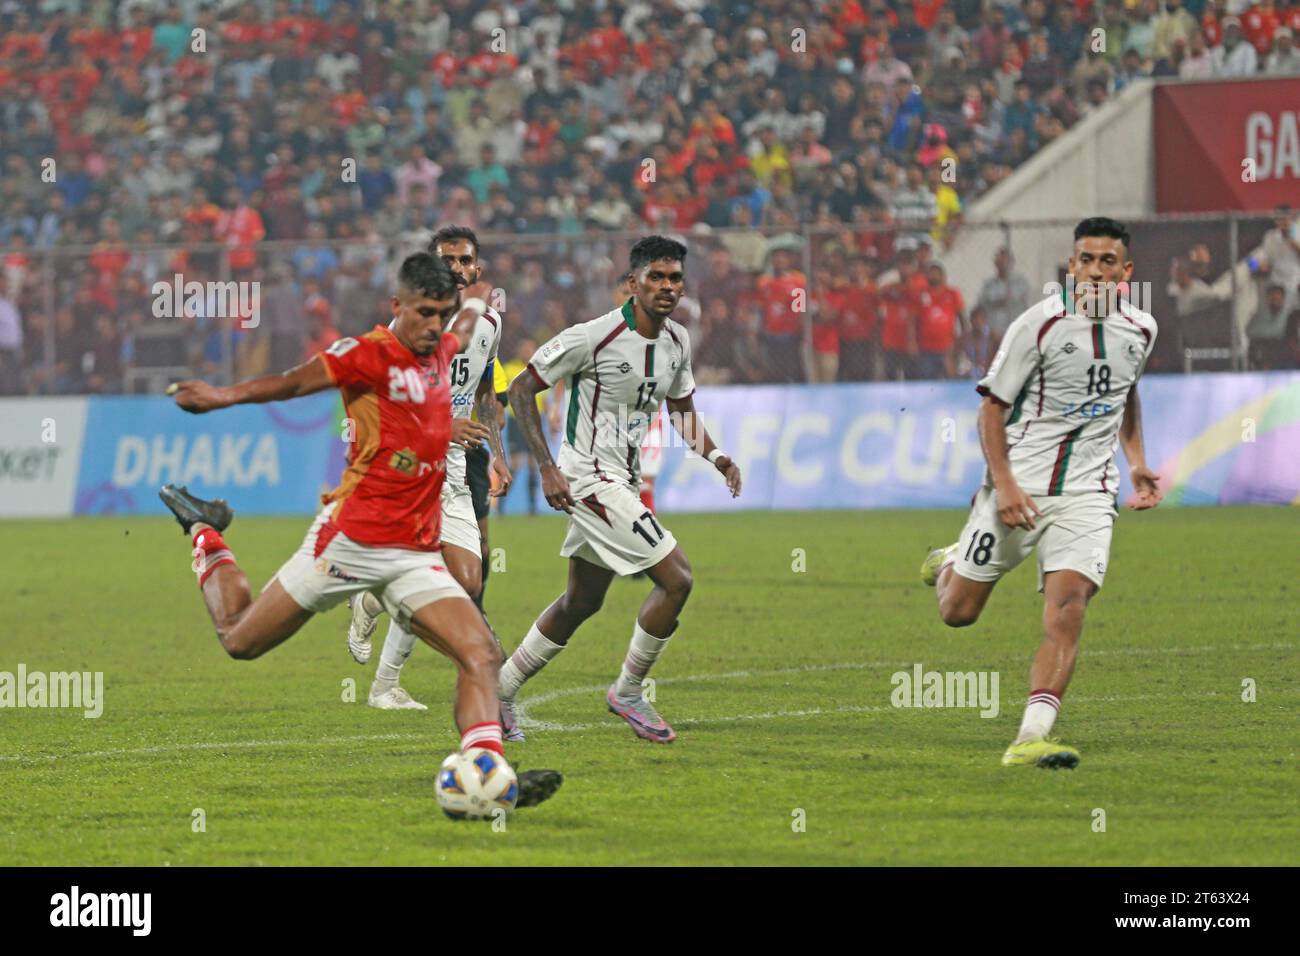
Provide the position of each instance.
(393, 697)
(365, 616)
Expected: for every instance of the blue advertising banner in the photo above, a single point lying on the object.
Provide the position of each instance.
(264, 459)
(1214, 439)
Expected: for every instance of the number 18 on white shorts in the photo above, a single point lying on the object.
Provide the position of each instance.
(1072, 534)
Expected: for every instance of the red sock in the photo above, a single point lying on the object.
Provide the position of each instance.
(210, 551)
(486, 735)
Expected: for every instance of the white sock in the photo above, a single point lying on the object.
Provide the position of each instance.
(529, 657)
(397, 648)
(1040, 714)
(642, 652)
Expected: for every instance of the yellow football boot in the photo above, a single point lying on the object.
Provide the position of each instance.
(1041, 753)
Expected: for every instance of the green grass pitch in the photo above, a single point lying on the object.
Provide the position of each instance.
(778, 683)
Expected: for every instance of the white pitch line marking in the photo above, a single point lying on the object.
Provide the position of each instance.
(524, 705)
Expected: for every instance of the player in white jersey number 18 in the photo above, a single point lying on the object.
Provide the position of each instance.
(1059, 398)
(617, 369)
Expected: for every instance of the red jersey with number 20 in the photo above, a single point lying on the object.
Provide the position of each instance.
(398, 405)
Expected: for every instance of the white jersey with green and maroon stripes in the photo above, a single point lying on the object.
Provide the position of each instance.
(468, 369)
(1064, 379)
(616, 379)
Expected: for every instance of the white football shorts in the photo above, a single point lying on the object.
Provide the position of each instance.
(327, 569)
(459, 526)
(612, 528)
(1072, 534)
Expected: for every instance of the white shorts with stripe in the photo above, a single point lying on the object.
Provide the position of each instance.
(1072, 534)
(327, 568)
(611, 528)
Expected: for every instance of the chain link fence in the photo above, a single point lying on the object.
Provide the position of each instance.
(825, 303)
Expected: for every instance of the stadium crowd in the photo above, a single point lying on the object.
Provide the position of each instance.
(818, 147)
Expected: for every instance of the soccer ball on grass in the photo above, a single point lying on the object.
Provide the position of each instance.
(475, 783)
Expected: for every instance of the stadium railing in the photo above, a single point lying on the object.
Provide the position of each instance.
(61, 294)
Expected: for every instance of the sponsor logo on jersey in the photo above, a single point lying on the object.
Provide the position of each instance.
(334, 571)
(549, 352)
(1088, 410)
(1069, 348)
(342, 347)
(482, 343)
(404, 461)
(624, 367)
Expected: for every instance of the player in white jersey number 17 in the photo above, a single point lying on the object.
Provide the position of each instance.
(617, 369)
(1059, 398)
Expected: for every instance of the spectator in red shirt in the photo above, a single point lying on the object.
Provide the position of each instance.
(859, 317)
(900, 303)
(21, 43)
(136, 42)
(1210, 24)
(927, 11)
(1259, 23)
(782, 293)
(827, 307)
(711, 123)
(110, 257)
(940, 309)
(239, 226)
(607, 45)
(202, 210)
(539, 133)
(346, 104)
(99, 43)
(321, 331)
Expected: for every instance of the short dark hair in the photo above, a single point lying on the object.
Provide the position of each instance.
(428, 275)
(453, 233)
(1102, 226)
(653, 248)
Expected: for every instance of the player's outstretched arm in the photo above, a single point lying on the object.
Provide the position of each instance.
(1145, 481)
(1015, 508)
(523, 400)
(681, 411)
(198, 397)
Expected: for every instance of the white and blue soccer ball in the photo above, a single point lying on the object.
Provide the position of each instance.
(474, 784)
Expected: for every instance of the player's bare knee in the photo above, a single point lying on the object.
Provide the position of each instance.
(957, 614)
(678, 585)
(959, 610)
(237, 646)
(483, 660)
(473, 587)
(1070, 604)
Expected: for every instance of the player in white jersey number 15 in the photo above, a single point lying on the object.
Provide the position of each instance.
(1059, 398)
(617, 369)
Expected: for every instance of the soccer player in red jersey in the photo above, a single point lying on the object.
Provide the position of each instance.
(379, 529)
